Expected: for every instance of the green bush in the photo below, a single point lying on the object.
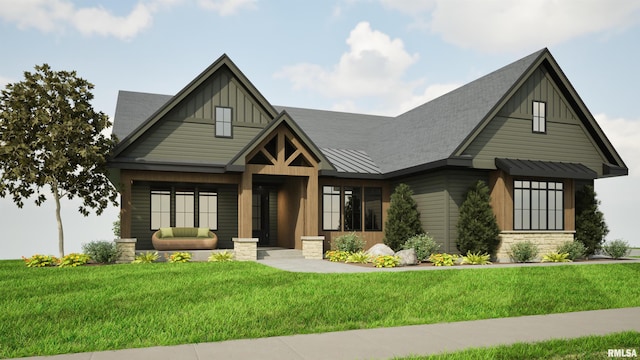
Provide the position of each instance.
(41, 260)
(337, 255)
(556, 257)
(423, 244)
(349, 242)
(103, 252)
(591, 228)
(403, 218)
(386, 261)
(146, 258)
(443, 259)
(74, 259)
(616, 248)
(575, 249)
(179, 257)
(524, 251)
(358, 258)
(477, 225)
(222, 256)
(476, 259)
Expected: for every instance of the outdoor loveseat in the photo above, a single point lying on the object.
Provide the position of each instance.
(184, 238)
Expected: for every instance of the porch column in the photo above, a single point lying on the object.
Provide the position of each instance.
(244, 205)
(311, 226)
(125, 207)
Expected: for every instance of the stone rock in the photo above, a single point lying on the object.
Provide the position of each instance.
(379, 249)
(407, 257)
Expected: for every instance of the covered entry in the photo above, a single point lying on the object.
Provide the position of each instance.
(282, 163)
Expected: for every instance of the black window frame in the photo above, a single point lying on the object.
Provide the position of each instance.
(353, 221)
(220, 123)
(325, 211)
(535, 198)
(537, 118)
(172, 192)
(370, 224)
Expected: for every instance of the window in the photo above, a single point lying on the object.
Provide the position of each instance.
(373, 209)
(223, 122)
(160, 209)
(208, 210)
(331, 208)
(352, 208)
(256, 207)
(538, 205)
(184, 209)
(539, 117)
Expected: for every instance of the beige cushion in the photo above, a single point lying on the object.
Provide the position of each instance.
(166, 232)
(203, 232)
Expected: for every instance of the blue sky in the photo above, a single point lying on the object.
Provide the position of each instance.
(370, 56)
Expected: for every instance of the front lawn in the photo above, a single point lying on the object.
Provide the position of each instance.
(64, 310)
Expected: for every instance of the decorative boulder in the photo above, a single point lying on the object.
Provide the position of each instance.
(407, 257)
(378, 250)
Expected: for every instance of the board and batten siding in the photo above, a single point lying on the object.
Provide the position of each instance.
(510, 135)
(141, 213)
(187, 132)
(438, 196)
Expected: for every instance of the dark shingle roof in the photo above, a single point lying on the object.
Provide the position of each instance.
(370, 144)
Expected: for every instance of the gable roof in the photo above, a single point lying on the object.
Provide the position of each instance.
(133, 108)
(432, 135)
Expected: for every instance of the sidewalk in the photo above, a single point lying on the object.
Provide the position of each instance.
(386, 343)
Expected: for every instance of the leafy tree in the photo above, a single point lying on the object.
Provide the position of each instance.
(403, 218)
(591, 228)
(51, 136)
(477, 225)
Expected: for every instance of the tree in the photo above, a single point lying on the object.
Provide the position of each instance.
(51, 136)
(477, 225)
(403, 218)
(591, 228)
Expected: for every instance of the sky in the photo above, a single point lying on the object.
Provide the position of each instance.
(367, 56)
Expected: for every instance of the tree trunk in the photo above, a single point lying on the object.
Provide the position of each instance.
(56, 196)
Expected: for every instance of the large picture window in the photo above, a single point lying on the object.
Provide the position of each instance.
(160, 209)
(185, 209)
(373, 209)
(208, 210)
(538, 205)
(223, 122)
(331, 208)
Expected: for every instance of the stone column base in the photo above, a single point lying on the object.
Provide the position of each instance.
(126, 249)
(312, 247)
(245, 249)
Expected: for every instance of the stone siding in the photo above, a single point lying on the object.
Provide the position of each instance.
(312, 247)
(126, 249)
(245, 249)
(547, 241)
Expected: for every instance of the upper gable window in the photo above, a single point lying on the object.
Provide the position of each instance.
(223, 122)
(539, 117)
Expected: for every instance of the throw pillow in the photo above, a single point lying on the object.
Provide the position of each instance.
(166, 232)
(203, 232)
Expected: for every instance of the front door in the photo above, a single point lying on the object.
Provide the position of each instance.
(260, 217)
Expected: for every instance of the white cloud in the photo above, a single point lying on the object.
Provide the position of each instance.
(503, 26)
(58, 15)
(371, 70)
(228, 7)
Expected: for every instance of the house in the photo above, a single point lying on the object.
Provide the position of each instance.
(219, 155)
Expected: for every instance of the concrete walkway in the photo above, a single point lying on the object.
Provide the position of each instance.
(386, 343)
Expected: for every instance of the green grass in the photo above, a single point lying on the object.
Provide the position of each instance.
(590, 347)
(51, 310)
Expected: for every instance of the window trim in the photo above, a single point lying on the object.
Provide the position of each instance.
(547, 189)
(172, 192)
(332, 194)
(539, 119)
(359, 196)
(158, 191)
(224, 122)
(214, 194)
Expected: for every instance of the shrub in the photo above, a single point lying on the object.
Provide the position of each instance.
(524, 251)
(477, 225)
(358, 258)
(104, 252)
(41, 260)
(386, 261)
(146, 258)
(223, 256)
(591, 228)
(476, 259)
(617, 248)
(556, 257)
(179, 257)
(403, 218)
(337, 255)
(443, 259)
(349, 242)
(423, 244)
(575, 249)
(74, 259)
